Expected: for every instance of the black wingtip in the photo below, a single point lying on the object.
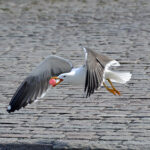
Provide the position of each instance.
(18, 98)
(9, 109)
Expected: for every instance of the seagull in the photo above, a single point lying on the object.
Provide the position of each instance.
(93, 74)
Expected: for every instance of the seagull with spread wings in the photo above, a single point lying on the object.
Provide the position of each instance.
(92, 75)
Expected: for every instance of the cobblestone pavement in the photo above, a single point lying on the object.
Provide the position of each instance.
(32, 29)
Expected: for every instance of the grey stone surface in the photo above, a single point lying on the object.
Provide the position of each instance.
(32, 29)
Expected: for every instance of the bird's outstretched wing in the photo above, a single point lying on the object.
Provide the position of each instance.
(95, 64)
(38, 81)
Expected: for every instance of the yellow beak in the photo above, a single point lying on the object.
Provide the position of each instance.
(56, 78)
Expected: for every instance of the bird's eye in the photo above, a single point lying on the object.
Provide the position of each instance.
(64, 76)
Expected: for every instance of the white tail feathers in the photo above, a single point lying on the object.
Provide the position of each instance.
(118, 77)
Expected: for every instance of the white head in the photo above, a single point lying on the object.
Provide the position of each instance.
(66, 77)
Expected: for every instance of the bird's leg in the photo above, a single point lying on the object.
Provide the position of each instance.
(110, 90)
(116, 91)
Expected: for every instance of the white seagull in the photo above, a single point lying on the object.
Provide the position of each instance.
(92, 75)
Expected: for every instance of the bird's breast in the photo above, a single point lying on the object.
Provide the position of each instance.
(79, 76)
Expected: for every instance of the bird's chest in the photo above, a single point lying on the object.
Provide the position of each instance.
(79, 76)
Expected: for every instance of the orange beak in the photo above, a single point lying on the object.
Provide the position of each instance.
(56, 78)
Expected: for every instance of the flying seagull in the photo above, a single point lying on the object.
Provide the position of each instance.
(92, 75)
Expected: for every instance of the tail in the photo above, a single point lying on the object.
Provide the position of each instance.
(118, 77)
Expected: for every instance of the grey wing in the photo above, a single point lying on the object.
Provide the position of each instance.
(95, 64)
(38, 81)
